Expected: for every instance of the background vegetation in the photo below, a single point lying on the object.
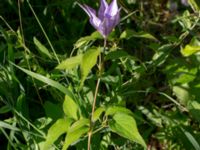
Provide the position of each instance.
(151, 76)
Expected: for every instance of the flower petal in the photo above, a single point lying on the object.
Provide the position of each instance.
(95, 22)
(102, 9)
(109, 24)
(112, 9)
(90, 11)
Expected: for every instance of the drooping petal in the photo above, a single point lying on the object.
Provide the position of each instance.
(102, 9)
(112, 9)
(108, 17)
(94, 20)
(90, 11)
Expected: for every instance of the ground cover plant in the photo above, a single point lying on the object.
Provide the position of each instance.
(121, 76)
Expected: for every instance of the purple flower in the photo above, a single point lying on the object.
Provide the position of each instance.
(184, 2)
(108, 16)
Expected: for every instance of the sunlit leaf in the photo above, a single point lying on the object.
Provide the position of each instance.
(98, 113)
(182, 93)
(84, 40)
(8, 126)
(77, 130)
(56, 130)
(88, 62)
(190, 50)
(194, 5)
(70, 63)
(117, 109)
(125, 126)
(70, 108)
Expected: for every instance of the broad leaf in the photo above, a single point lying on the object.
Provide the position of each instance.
(70, 108)
(70, 63)
(57, 129)
(125, 126)
(84, 40)
(98, 113)
(88, 62)
(77, 130)
(182, 93)
(189, 50)
(117, 109)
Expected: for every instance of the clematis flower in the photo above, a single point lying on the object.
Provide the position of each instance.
(184, 2)
(106, 19)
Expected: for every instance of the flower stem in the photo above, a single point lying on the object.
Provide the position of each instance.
(95, 99)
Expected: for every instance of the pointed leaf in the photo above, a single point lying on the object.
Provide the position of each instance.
(70, 63)
(70, 108)
(46, 80)
(88, 62)
(117, 109)
(125, 126)
(98, 113)
(8, 126)
(189, 50)
(194, 4)
(57, 129)
(77, 130)
(41, 48)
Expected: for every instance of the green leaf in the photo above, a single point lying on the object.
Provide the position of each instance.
(57, 129)
(194, 4)
(98, 113)
(182, 93)
(127, 34)
(116, 54)
(70, 108)
(5, 109)
(8, 126)
(70, 63)
(185, 20)
(77, 130)
(192, 140)
(88, 62)
(125, 126)
(194, 109)
(42, 48)
(189, 50)
(84, 40)
(117, 109)
(46, 80)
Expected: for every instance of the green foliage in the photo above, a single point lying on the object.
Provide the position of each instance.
(51, 61)
(125, 126)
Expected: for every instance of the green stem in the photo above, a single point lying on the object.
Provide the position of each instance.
(95, 98)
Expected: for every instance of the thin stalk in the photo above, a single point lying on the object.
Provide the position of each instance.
(52, 48)
(95, 98)
(25, 50)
